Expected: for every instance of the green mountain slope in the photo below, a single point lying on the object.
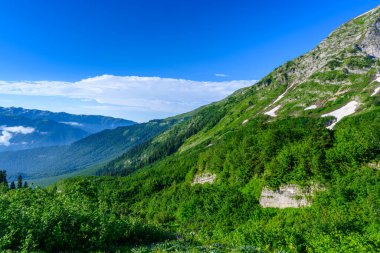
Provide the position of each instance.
(337, 72)
(290, 164)
(280, 132)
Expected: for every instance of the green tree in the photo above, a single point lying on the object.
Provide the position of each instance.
(19, 182)
(13, 185)
(3, 181)
(3, 177)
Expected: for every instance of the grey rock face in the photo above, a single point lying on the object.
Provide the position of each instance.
(287, 196)
(204, 178)
(371, 42)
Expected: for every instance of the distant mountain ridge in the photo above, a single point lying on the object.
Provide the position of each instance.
(88, 123)
(24, 129)
(91, 150)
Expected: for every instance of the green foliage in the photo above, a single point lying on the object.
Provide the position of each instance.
(357, 141)
(118, 213)
(19, 182)
(51, 220)
(329, 76)
(333, 64)
(3, 177)
(359, 62)
(167, 144)
(343, 218)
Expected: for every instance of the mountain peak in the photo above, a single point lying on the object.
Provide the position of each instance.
(371, 42)
(362, 32)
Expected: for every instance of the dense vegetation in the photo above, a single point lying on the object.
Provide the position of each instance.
(158, 201)
(164, 145)
(47, 220)
(4, 186)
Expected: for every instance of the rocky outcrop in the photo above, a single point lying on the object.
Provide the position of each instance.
(371, 42)
(204, 178)
(285, 197)
(374, 165)
(353, 41)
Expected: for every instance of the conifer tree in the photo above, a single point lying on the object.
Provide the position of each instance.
(25, 184)
(19, 182)
(3, 177)
(13, 185)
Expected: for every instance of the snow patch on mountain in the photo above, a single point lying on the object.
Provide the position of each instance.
(375, 91)
(342, 112)
(312, 107)
(280, 97)
(272, 112)
(378, 88)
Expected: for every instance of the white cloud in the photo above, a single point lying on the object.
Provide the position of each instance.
(5, 138)
(147, 97)
(221, 75)
(8, 133)
(18, 129)
(75, 124)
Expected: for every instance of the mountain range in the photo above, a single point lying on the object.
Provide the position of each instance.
(96, 148)
(24, 129)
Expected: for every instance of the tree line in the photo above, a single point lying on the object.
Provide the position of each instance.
(13, 185)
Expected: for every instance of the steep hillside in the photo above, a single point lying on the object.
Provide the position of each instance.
(340, 73)
(305, 138)
(166, 143)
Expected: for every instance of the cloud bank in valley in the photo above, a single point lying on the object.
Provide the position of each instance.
(7, 133)
(132, 97)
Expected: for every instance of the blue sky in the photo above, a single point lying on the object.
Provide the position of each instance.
(199, 40)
